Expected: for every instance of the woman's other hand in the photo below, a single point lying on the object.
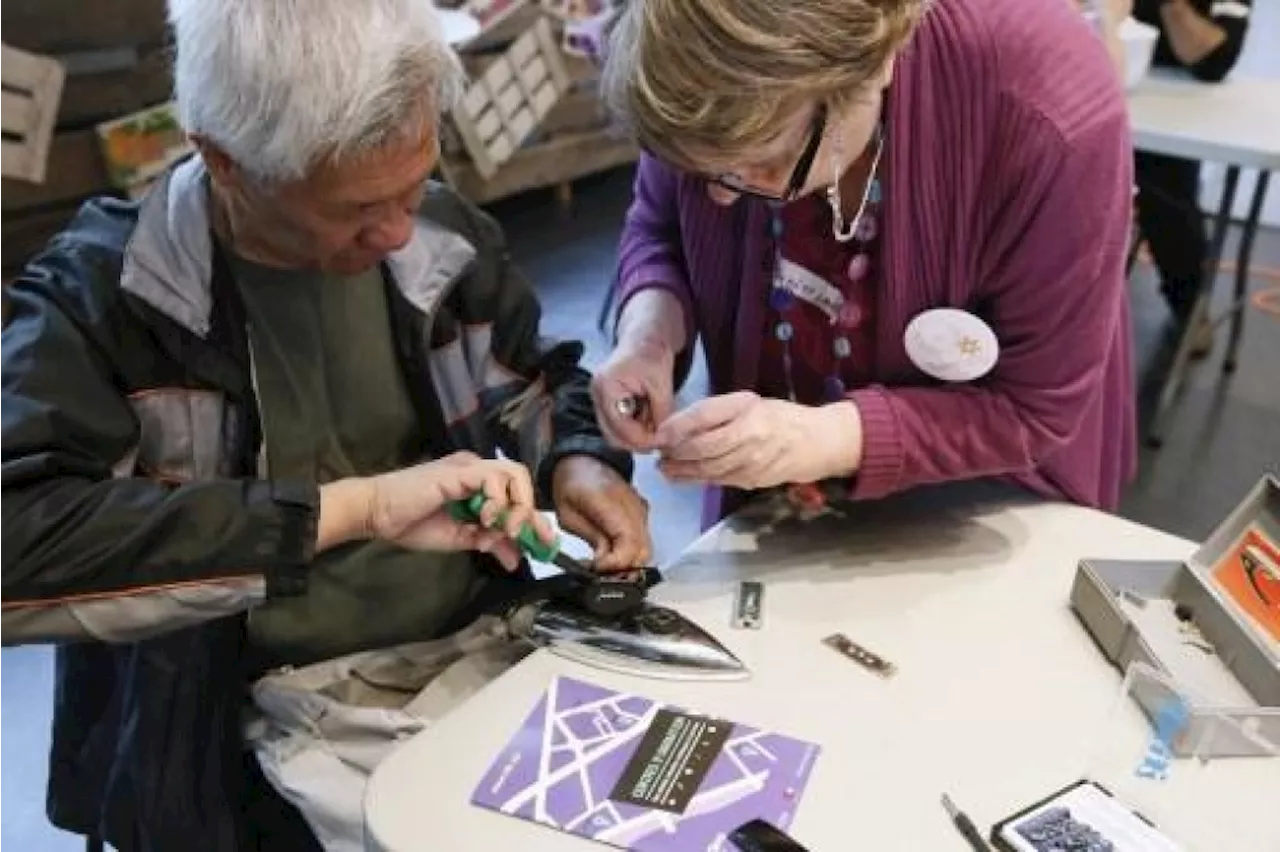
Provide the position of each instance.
(745, 441)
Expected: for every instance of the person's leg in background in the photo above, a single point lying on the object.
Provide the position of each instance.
(1171, 222)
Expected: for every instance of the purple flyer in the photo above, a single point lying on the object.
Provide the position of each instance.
(636, 774)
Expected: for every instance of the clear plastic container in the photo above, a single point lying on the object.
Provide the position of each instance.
(1202, 800)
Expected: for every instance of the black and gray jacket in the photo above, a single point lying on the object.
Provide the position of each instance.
(139, 523)
(1231, 15)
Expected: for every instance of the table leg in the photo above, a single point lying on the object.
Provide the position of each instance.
(1181, 365)
(1243, 259)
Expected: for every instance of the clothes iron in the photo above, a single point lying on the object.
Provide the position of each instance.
(647, 640)
(605, 620)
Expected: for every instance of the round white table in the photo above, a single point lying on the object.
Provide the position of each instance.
(1000, 696)
(1235, 122)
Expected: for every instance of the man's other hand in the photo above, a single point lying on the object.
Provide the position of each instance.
(596, 504)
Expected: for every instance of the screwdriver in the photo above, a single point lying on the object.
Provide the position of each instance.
(965, 826)
(529, 542)
(601, 594)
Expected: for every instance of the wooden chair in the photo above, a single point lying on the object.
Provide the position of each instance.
(32, 92)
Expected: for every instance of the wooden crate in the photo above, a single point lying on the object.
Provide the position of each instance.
(34, 213)
(32, 88)
(511, 97)
(581, 109)
(68, 26)
(556, 162)
(570, 140)
(75, 170)
(24, 236)
(116, 63)
(91, 98)
(501, 22)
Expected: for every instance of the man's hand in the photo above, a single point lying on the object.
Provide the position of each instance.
(411, 507)
(596, 504)
(745, 441)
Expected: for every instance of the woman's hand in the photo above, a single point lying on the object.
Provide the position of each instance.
(643, 369)
(745, 441)
(411, 507)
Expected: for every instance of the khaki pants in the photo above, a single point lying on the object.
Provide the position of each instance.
(320, 731)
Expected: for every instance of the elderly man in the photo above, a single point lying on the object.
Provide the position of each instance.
(234, 413)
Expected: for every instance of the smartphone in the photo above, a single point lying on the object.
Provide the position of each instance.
(1083, 815)
(761, 836)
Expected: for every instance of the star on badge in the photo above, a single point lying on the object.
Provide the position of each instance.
(969, 346)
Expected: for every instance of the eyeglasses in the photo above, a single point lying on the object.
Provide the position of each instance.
(799, 174)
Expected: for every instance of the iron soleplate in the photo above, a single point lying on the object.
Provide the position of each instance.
(654, 642)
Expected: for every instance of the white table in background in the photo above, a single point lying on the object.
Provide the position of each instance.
(1236, 123)
(1000, 697)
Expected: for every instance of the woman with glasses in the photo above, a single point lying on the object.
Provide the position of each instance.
(898, 230)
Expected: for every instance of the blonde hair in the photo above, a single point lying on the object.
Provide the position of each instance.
(699, 80)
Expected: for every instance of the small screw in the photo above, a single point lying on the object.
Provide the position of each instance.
(630, 406)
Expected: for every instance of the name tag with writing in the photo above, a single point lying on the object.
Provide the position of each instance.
(812, 288)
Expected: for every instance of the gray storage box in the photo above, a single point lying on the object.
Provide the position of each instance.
(1232, 667)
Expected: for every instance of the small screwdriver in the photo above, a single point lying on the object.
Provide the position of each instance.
(965, 826)
(607, 595)
(529, 542)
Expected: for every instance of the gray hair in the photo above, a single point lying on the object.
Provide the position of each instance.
(281, 85)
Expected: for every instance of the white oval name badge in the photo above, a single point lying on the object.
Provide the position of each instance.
(809, 287)
(951, 345)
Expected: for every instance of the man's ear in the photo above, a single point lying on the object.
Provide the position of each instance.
(222, 169)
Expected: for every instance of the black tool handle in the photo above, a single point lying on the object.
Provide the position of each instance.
(970, 833)
(761, 836)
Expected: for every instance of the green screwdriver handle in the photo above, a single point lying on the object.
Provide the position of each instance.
(468, 511)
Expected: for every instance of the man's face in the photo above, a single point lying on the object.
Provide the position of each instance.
(343, 217)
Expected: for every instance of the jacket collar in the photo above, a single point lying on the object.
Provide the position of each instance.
(168, 262)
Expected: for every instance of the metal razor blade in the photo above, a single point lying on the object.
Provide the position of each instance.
(748, 606)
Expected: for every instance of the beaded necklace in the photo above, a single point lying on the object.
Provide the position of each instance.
(862, 230)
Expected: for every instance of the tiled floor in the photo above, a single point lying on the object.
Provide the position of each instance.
(1224, 437)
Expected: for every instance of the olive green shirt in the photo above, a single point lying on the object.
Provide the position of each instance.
(334, 404)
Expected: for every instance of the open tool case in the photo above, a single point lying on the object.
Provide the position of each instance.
(1204, 623)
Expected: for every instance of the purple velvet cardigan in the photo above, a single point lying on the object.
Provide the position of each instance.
(1008, 176)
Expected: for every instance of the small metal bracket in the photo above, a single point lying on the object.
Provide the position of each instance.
(860, 655)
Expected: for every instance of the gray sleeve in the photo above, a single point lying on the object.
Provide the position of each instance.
(130, 617)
